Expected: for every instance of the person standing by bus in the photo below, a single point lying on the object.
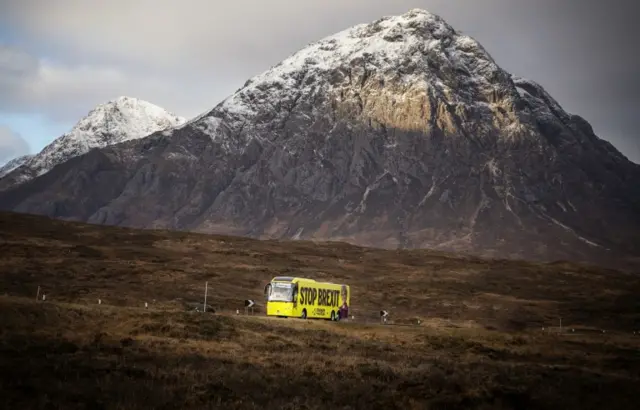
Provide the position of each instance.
(344, 308)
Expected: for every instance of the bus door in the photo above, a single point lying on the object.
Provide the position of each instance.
(294, 293)
(267, 291)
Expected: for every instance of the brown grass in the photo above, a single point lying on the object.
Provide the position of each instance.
(479, 344)
(71, 356)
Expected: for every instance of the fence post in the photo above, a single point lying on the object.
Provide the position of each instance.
(206, 287)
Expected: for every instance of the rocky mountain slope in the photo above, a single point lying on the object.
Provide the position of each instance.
(399, 133)
(121, 119)
(13, 164)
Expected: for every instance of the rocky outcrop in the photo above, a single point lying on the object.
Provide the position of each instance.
(400, 133)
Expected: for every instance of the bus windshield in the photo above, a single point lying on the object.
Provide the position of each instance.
(281, 292)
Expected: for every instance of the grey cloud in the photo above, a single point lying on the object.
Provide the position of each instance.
(67, 92)
(16, 64)
(12, 145)
(17, 69)
(189, 57)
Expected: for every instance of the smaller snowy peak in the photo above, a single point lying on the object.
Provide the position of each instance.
(136, 117)
(14, 164)
(118, 120)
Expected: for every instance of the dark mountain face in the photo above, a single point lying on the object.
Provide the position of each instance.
(400, 133)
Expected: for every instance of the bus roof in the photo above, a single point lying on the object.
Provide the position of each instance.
(284, 278)
(291, 279)
(295, 278)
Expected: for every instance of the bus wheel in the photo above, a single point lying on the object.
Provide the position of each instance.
(333, 316)
(304, 314)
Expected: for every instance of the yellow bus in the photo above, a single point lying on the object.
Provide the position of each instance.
(289, 296)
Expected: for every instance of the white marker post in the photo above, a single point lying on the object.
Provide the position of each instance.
(248, 304)
(206, 288)
(383, 316)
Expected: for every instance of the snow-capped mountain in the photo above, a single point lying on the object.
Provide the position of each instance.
(402, 133)
(13, 164)
(115, 121)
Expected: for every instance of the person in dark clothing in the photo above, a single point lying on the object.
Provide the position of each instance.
(343, 313)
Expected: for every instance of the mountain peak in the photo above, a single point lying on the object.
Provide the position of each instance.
(122, 119)
(136, 107)
(117, 120)
(415, 53)
(125, 98)
(418, 15)
(131, 102)
(418, 12)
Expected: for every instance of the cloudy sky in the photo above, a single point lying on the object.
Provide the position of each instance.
(60, 58)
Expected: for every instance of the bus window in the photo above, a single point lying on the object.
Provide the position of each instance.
(281, 292)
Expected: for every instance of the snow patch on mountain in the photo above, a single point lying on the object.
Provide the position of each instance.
(208, 125)
(13, 164)
(541, 101)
